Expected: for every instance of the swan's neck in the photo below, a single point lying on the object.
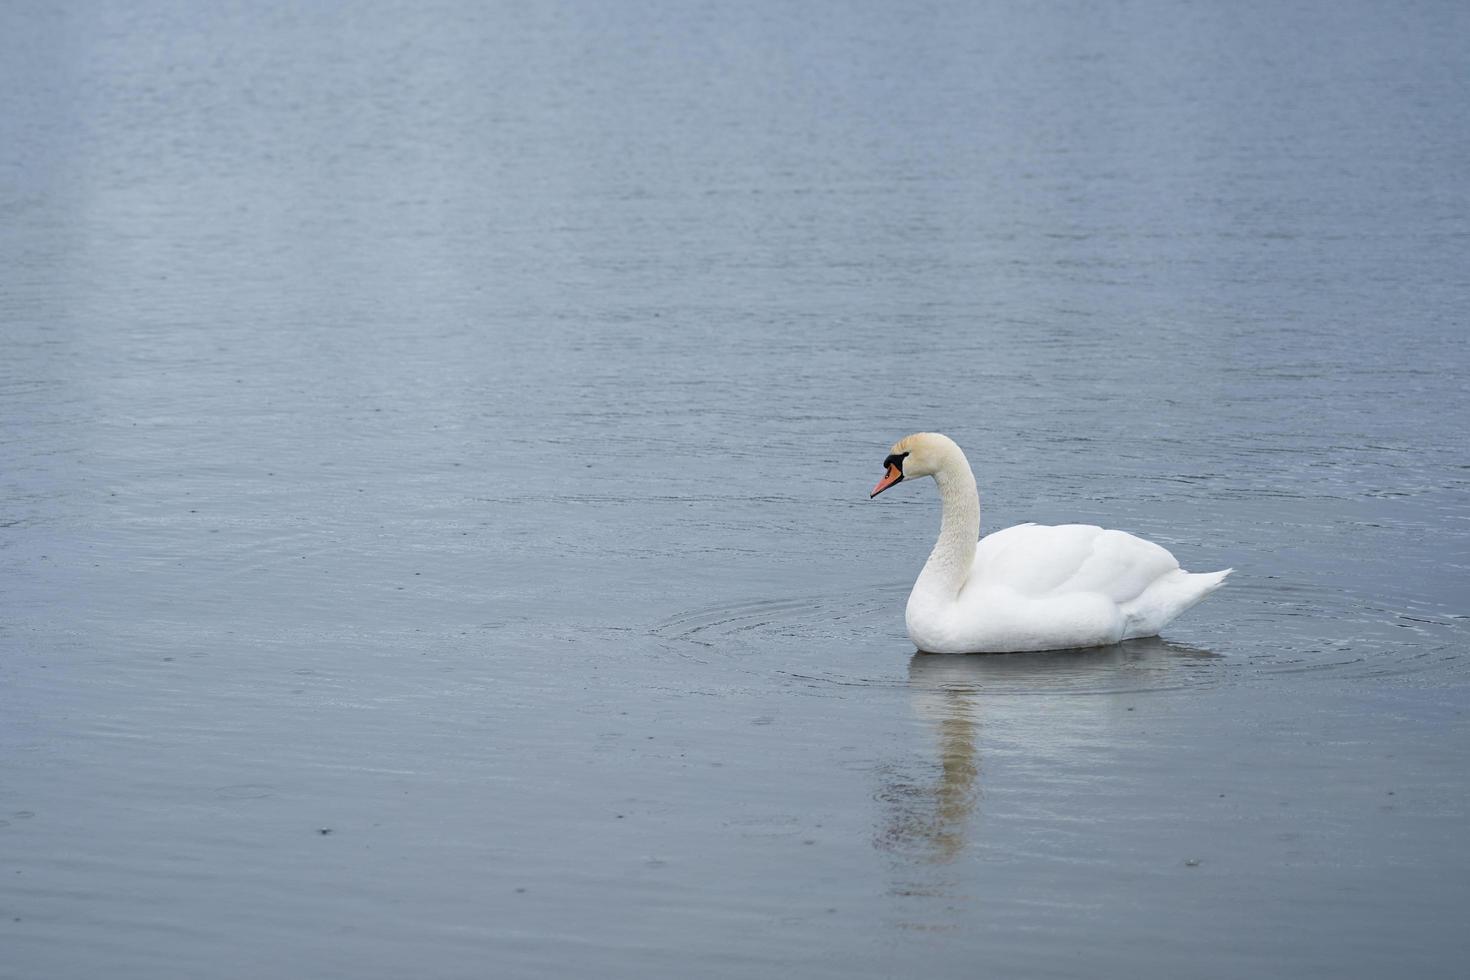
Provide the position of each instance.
(949, 563)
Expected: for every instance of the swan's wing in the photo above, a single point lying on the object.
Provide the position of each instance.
(1038, 560)
(1032, 559)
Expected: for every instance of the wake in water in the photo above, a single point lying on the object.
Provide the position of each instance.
(1255, 630)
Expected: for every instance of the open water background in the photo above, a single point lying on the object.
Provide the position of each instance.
(450, 426)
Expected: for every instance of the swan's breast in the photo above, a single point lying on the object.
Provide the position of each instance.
(997, 619)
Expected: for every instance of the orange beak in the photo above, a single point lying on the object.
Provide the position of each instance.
(893, 475)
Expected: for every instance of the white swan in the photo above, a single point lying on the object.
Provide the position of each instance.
(1030, 587)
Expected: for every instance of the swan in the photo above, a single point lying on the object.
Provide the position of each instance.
(1032, 586)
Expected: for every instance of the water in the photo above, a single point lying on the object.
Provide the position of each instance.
(434, 535)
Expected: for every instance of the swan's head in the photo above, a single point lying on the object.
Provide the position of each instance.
(921, 454)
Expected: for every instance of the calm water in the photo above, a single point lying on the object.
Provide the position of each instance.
(434, 535)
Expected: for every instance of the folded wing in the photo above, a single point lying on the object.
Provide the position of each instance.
(1043, 561)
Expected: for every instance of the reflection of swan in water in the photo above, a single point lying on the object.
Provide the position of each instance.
(929, 815)
(1031, 707)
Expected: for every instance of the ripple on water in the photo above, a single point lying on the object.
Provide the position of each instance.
(1253, 630)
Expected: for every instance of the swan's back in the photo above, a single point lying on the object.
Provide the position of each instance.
(1040, 561)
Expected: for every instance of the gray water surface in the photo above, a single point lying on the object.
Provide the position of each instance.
(434, 452)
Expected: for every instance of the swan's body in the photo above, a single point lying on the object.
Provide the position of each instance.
(1032, 586)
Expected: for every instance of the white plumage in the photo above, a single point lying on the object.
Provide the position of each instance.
(1032, 586)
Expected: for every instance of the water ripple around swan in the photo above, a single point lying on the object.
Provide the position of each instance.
(1253, 631)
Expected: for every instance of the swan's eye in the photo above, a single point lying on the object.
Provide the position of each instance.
(895, 460)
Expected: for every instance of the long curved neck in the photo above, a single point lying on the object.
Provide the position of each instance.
(949, 563)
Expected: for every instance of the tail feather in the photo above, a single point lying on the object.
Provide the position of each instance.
(1165, 600)
(1209, 581)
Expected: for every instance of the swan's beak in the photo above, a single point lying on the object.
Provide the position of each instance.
(893, 475)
